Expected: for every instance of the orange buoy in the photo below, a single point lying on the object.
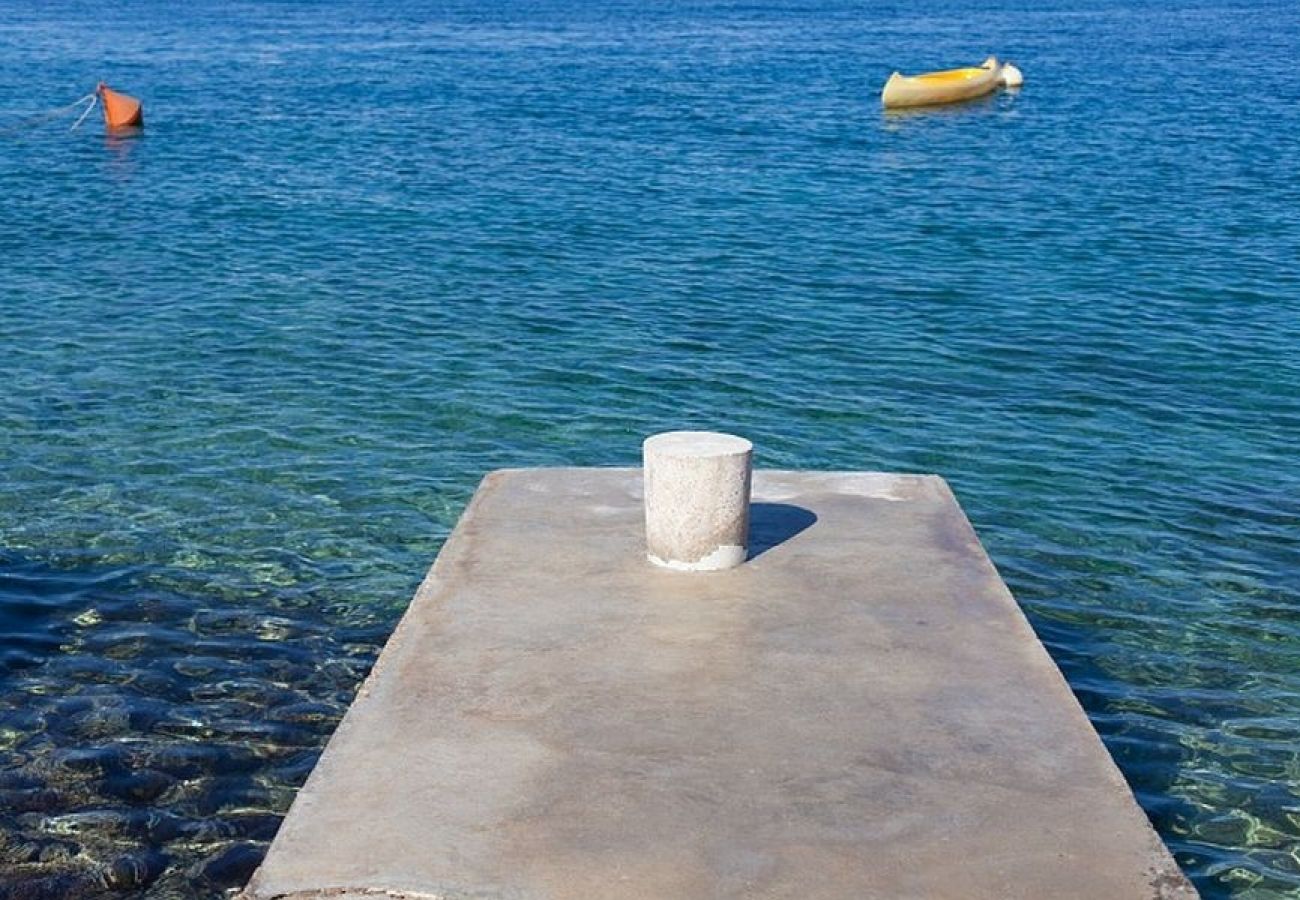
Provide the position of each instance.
(120, 110)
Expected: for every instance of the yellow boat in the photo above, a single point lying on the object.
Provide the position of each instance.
(950, 86)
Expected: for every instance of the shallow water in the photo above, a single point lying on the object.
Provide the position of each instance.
(256, 359)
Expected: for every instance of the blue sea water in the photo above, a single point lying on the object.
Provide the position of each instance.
(254, 360)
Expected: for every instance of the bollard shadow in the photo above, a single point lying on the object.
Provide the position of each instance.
(772, 524)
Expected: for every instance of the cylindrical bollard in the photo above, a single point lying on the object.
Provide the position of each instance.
(697, 499)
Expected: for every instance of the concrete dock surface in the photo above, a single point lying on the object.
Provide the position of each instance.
(859, 711)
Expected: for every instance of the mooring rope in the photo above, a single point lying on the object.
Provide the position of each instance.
(29, 121)
(81, 118)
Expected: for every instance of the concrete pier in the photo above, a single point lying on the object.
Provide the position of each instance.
(859, 711)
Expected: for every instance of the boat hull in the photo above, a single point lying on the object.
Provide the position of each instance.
(935, 88)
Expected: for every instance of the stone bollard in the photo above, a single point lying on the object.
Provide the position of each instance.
(697, 499)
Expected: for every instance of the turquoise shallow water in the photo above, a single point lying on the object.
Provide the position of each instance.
(255, 360)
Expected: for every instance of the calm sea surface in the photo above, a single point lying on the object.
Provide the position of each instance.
(254, 362)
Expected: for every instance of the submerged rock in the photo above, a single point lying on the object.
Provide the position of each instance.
(232, 826)
(256, 826)
(192, 760)
(31, 800)
(231, 792)
(143, 786)
(135, 825)
(25, 884)
(100, 760)
(17, 851)
(231, 867)
(133, 870)
(319, 715)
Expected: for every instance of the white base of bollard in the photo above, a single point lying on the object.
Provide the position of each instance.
(727, 557)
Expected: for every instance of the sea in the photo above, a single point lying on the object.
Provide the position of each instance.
(255, 358)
